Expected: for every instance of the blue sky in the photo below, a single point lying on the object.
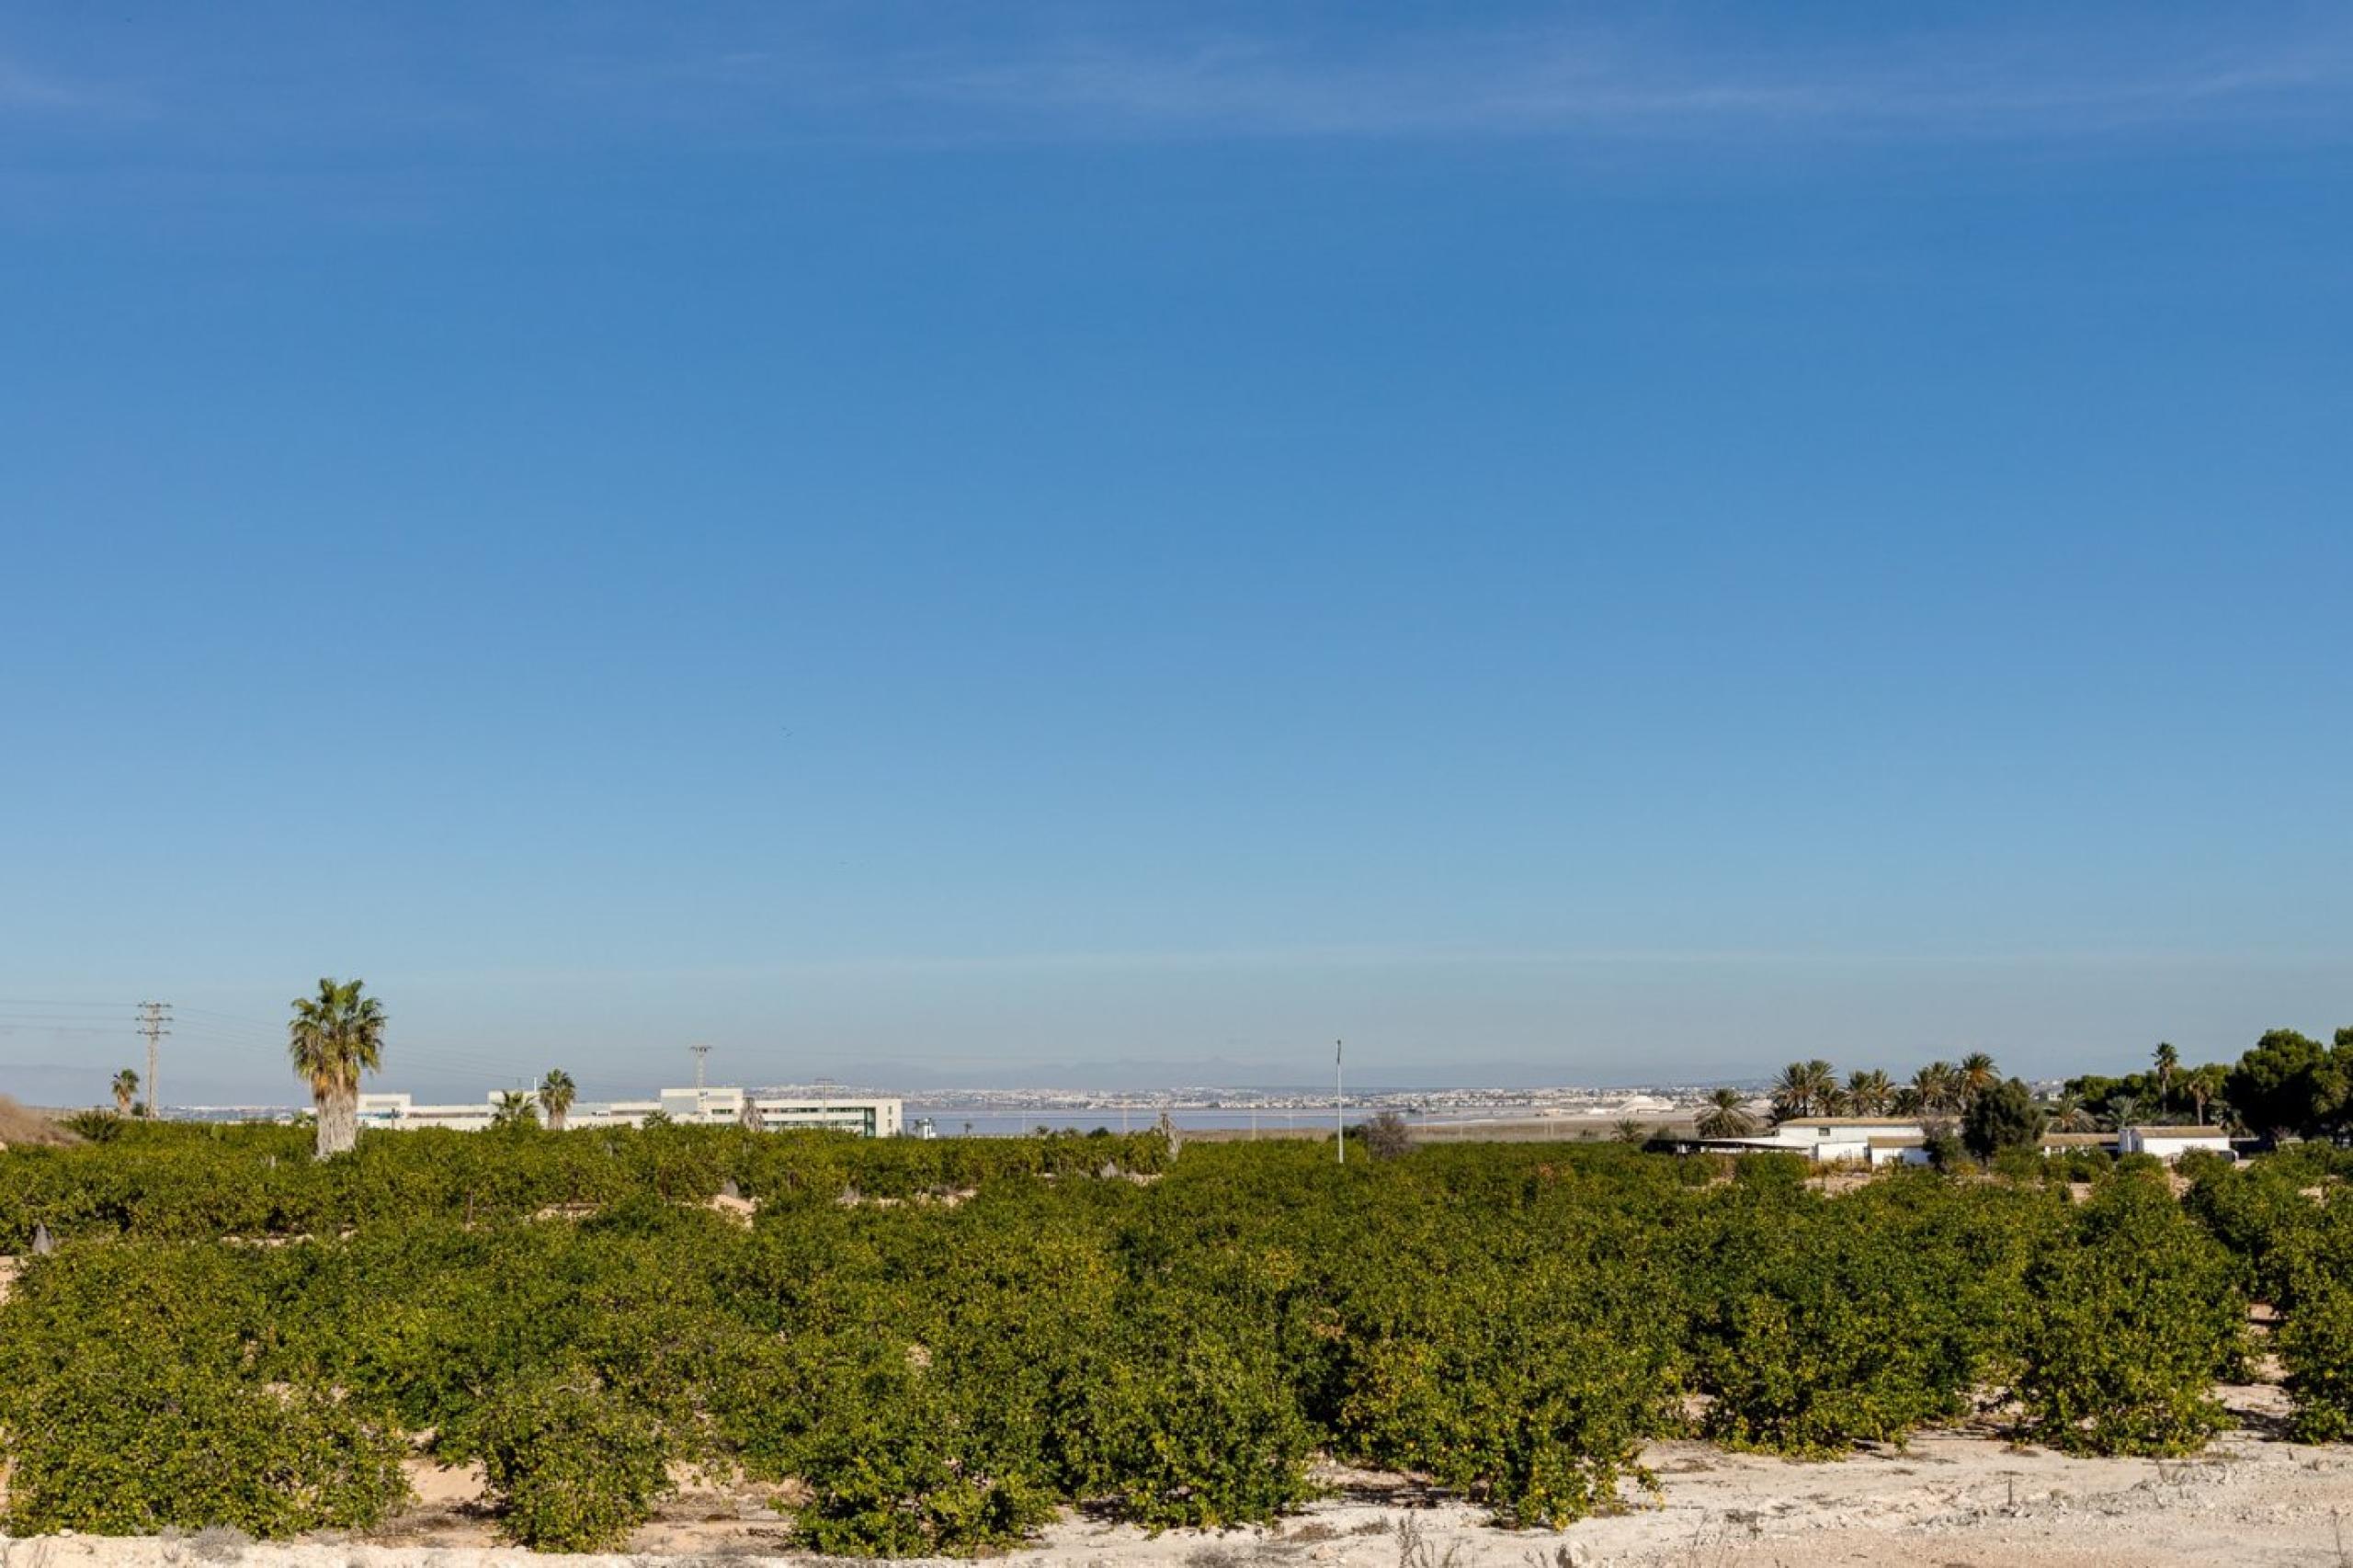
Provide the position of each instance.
(939, 545)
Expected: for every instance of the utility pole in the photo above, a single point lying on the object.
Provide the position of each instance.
(154, 1022)
(1339, 1102)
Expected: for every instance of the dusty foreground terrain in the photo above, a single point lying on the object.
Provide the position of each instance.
(1946, 1501)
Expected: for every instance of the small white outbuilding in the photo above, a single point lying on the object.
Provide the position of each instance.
(2170, 1144)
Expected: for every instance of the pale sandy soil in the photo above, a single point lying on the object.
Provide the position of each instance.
(1949, 1501)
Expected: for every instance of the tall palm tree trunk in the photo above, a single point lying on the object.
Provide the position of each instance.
(338, 1122)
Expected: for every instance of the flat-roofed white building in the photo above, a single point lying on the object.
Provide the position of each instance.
(1828, 1138)
(870, 1118)
(2170, 1144)
(401, 1112)
(776, 1112)
(1896, 1149)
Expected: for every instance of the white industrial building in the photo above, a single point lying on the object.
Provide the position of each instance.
(770, 1110)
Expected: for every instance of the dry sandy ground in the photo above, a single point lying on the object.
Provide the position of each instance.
(1948, 1501)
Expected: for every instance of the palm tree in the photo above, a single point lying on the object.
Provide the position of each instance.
(1804, 1088)
(1906, 1101)
(1791, 1091)
(1629, 1130)
(1935, 1083)
(2069, 1114)
(2168, 1062)
(556, 1094)
(1867, 1092)
(126, 1089)
(513, 1110)
(2203, 1085)
(335, 1037)
(1978, 1074)
(2120, 1111)
(1726, 1116)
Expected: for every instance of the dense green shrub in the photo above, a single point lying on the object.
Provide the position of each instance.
(896, 1470)
(123, 1444)
(1860, 1320)
(2261, 1217)
(2129, 1329)
(571, 1467)
(1770, 1170)
(2316, 1347)
(1182, 1424)
(1527, 1375)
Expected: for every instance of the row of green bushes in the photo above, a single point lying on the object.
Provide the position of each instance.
(1515, 1322)
(183, 1182)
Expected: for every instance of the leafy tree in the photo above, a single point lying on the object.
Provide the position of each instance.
(335, 1037)
(1726, 1116)
(2003, 1115)
(125, 1090)
(557, 1092)
(2287, 1083)
(1944, 1147)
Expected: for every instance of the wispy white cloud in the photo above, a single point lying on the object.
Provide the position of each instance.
(1523, 84)
(763, 78)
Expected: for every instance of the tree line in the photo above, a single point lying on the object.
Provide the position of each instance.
(2286, 1085)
